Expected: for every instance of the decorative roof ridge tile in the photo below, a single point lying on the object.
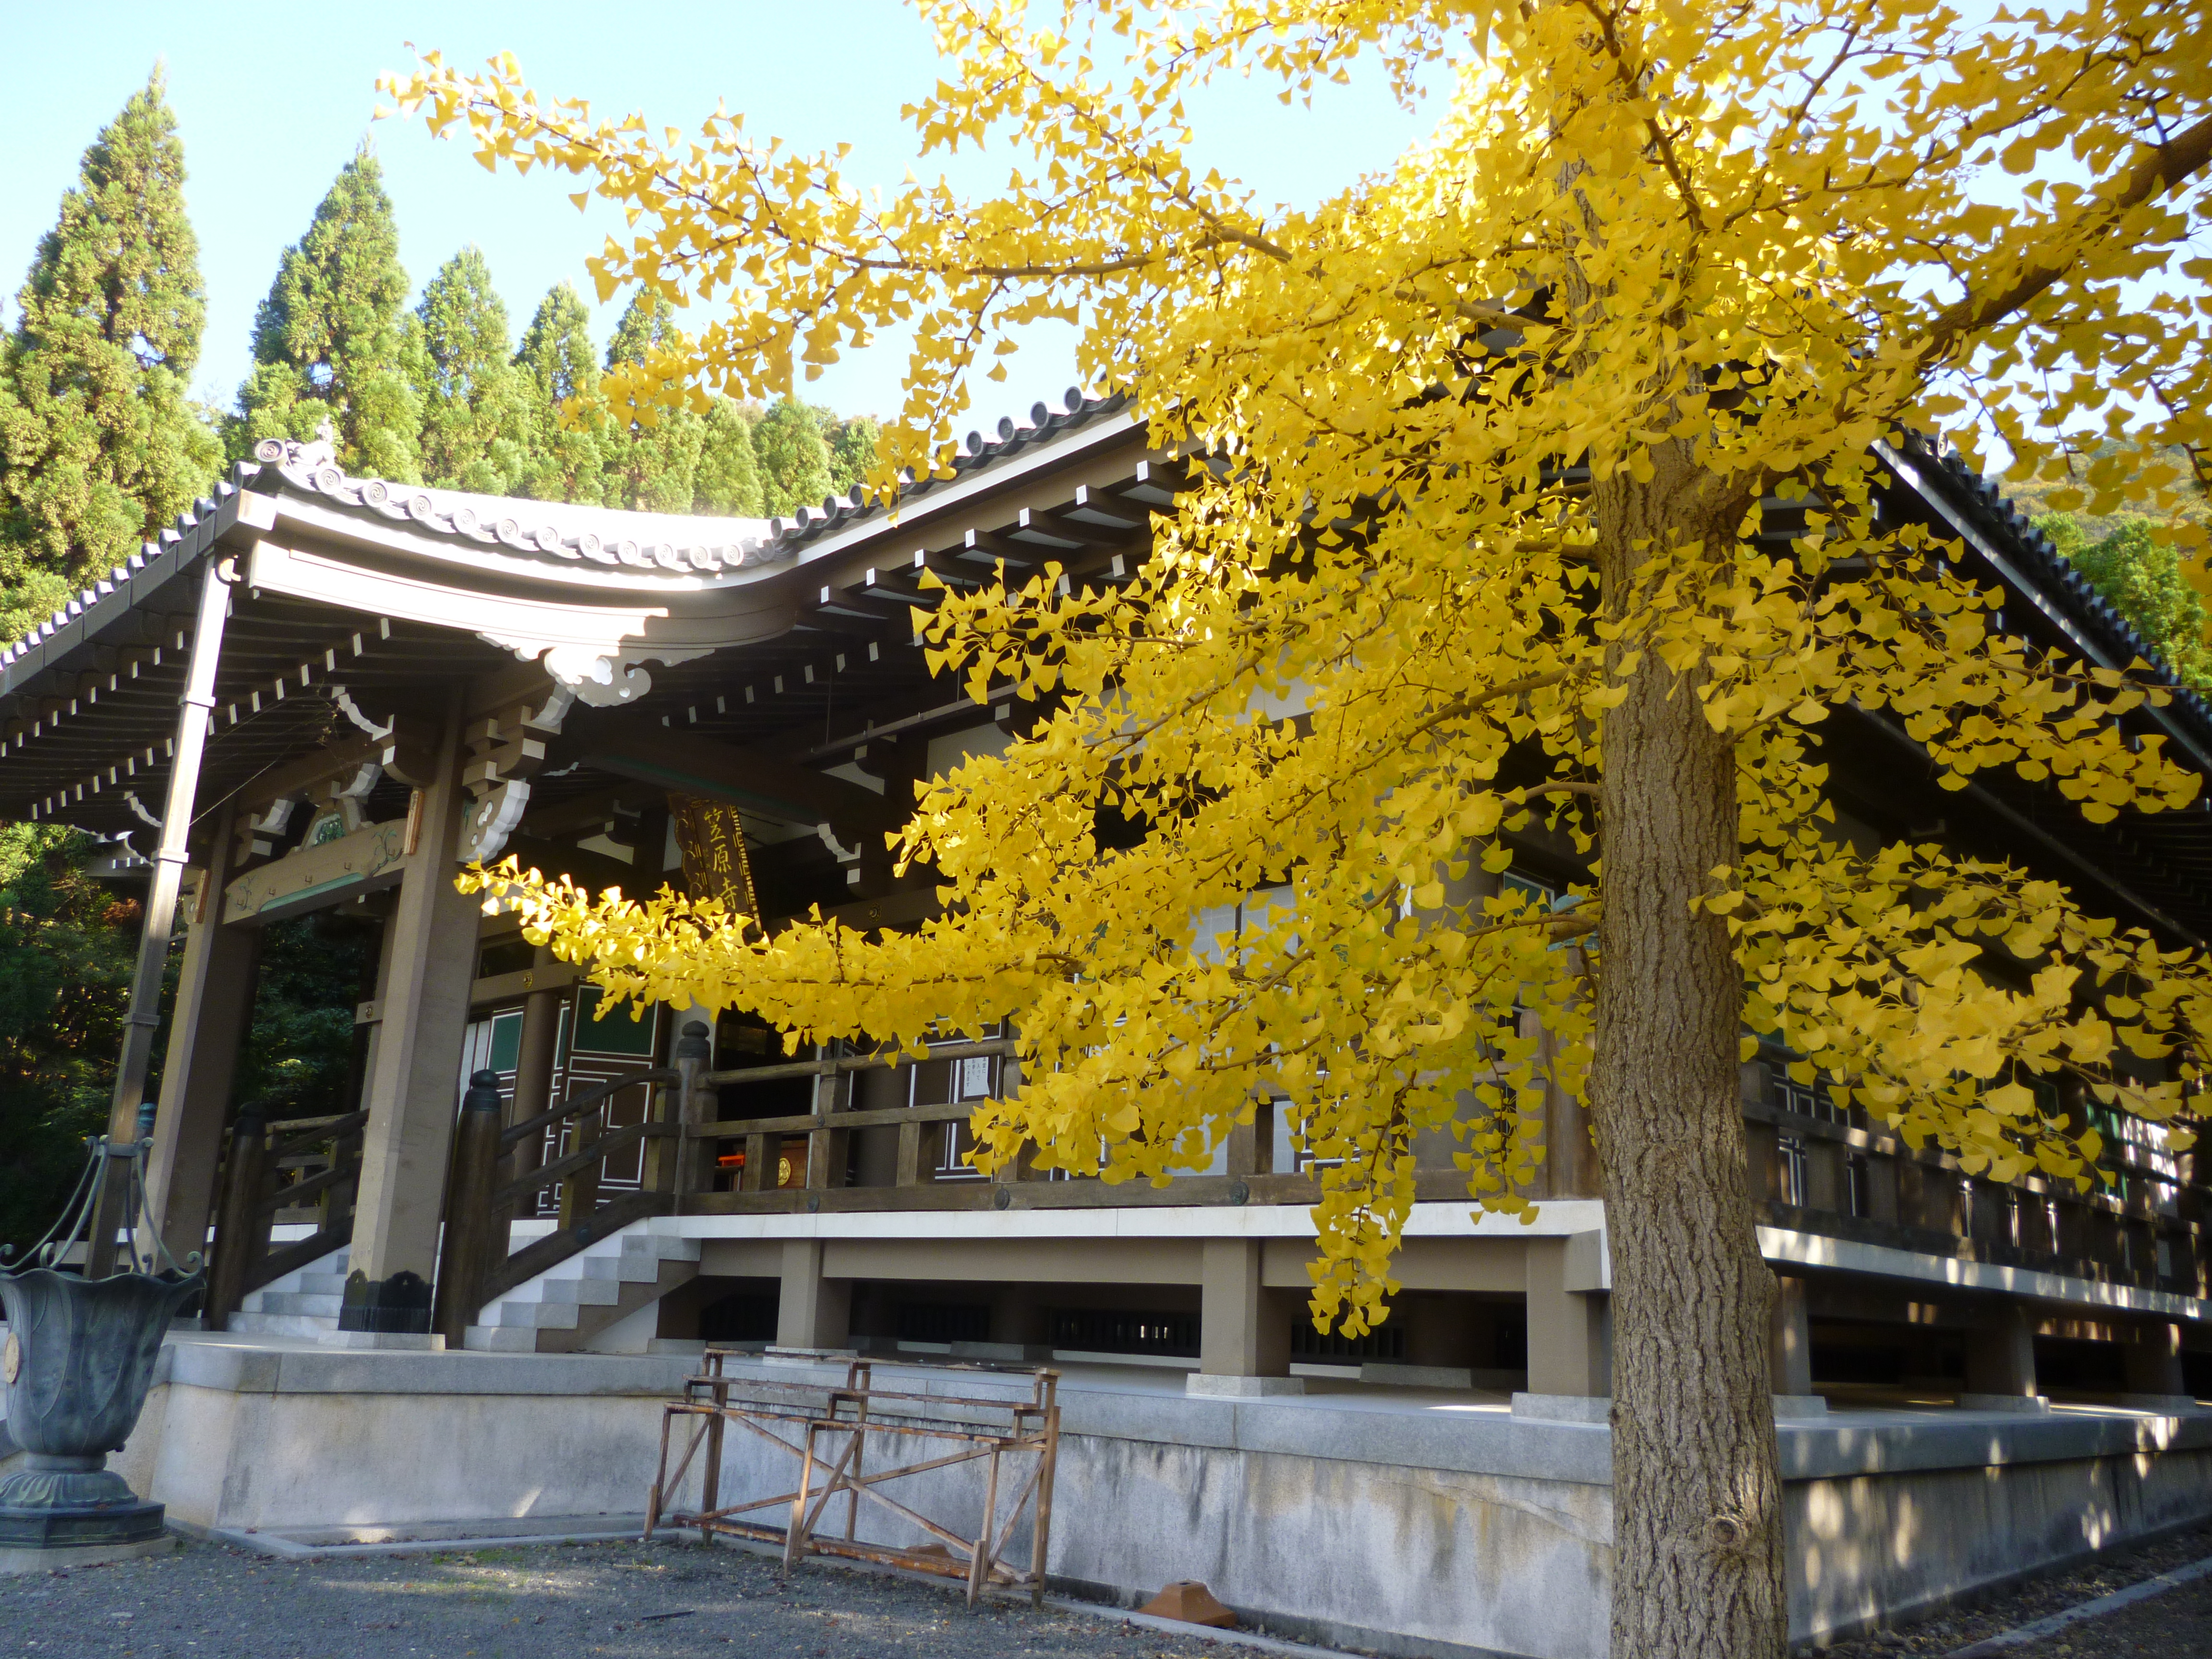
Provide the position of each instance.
(1077, 409)
(312, 469)
(166, 541)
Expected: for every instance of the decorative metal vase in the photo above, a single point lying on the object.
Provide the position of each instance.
(78, 1359)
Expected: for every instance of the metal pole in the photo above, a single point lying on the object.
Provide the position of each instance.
(197, 706)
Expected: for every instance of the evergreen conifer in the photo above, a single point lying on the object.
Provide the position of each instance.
(852, 445)
(795, 462)
(328, 342)
(474, 420)
(653, 467)
(728, 482)
(562, 450)
(99, 443)
(2141, 578)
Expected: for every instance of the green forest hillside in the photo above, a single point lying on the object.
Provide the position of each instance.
(100, 446)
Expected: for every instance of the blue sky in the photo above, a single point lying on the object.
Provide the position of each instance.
(271, 101)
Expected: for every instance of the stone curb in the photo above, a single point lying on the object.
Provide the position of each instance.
(1990, 1646)
(291, 1549)
(1242, 1638)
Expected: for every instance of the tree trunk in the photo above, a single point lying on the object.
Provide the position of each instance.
(1697, 1510)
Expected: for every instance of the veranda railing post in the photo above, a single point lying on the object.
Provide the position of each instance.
(235, 1232)
(579, 1193)
(696, 1102)
(475, 1235)
(339, 1201)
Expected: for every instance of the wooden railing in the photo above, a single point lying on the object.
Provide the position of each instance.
(475, 1267)
(763, 1136)
(577, 1172)
(681, 1136)
(254, 1189)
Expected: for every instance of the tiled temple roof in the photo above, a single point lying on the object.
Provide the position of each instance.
(652, 544)
(560, 533)
(676, 542)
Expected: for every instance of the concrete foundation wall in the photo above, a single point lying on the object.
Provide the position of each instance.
(1881, 1548)
(1406, 1527)
(235, 1438)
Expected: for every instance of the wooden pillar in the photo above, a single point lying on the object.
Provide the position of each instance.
(1244, 1329)
(1824, 1175)
(2154, 1367)
(214, 1005)
(415, 1076)
(812, 1311)
(827, 1150)
(1019, 1318)
(696, 1102)
(1568, 1347)
(1252, 1145)
(1571, 1168)
(534, 1067)
(1792, 1339)
(2001, 1358)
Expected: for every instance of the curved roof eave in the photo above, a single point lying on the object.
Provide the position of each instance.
(1976, 507)
(552, 535)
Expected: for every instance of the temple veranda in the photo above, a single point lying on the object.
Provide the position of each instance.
(440, 1305)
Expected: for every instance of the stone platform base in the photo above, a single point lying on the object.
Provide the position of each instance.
(89, 1555)
(1454, 1526)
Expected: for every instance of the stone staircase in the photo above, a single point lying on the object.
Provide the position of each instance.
(302, 1302)
(561, 1309)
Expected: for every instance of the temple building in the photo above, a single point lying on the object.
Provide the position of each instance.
(324, 693)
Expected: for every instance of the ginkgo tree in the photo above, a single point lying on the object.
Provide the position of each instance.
(1486, 442)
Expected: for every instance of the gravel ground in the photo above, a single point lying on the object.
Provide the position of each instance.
(2175, 1624)
(627, 1601)
(677, 1601)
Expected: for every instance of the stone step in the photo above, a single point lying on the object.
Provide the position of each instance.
(262, 1324)
(583, 1293)
(293, 1301)
(659, 1246)
(627, 1268)
(535, 1316)
(560, 1310)
(499, 1338)
(324, 1277)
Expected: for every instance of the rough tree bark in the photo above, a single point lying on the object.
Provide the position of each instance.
(1697, 1552)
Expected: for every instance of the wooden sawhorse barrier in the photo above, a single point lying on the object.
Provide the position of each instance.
(830, 1429)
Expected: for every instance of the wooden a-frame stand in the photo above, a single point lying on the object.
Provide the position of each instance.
(830, 1428)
